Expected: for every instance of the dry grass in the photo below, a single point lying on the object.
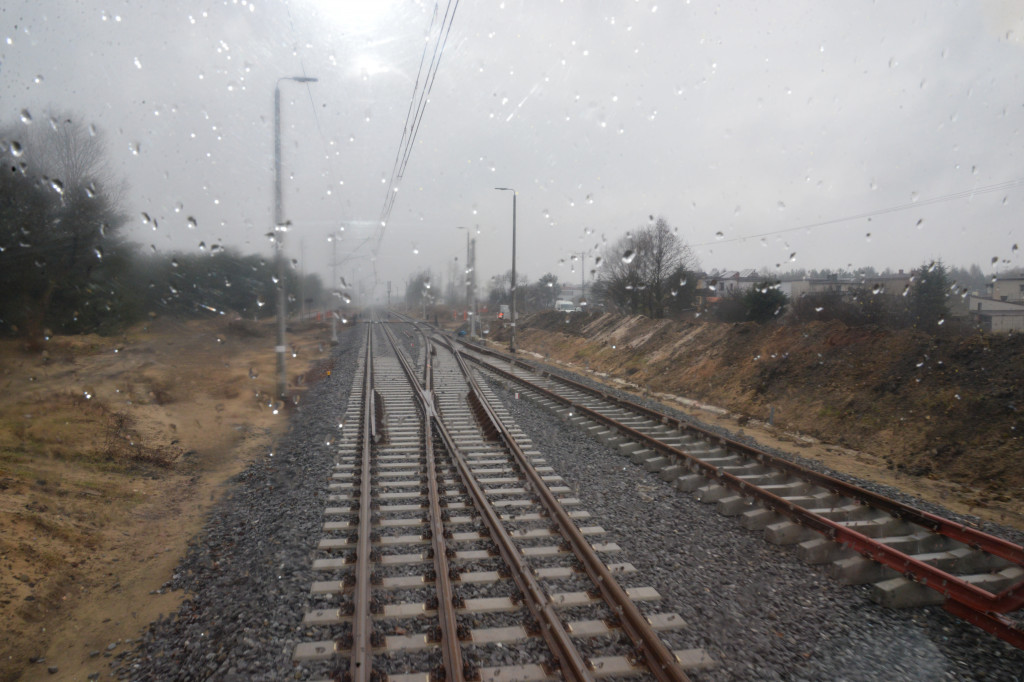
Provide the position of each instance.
(111, 450)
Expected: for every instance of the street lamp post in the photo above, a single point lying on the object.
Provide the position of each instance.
(512, 344)
(279, 228)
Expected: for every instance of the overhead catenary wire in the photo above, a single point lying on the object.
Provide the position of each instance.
(1009, 184)
(418, 101)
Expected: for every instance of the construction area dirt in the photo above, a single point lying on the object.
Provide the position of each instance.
(940, 417)
(112, 451)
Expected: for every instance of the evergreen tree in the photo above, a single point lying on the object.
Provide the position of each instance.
(928, 294)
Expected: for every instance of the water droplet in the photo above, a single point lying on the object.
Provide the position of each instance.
(145, 218)
(719, 235)
(16, 149)
(260, 301)
(99, 253)
(252, 372)
(792, 257)
(57, 186)
(628, 256)
(26, 117)
(202, 246)
(138, 64)
(781, 206)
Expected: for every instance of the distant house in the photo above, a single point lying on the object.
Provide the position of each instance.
(726, 282)
(893, 284)
(1010, 289)
(817, 285)
(997, 315)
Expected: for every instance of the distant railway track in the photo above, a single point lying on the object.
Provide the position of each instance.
(451, 551)
(910, 557)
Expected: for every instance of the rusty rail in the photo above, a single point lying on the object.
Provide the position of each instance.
(451, 652)
(660, 660)
(974, 604)
(361, 661)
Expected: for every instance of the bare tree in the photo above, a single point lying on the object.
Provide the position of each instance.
(645, 272)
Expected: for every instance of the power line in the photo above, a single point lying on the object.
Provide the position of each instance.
(417, 107)
(1009, 184)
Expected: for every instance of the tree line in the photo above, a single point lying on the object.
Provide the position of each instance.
(65, 264)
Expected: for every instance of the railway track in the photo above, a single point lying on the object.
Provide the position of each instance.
(907, 556)
(452, 551)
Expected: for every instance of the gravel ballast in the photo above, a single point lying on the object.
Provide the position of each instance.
(248, 575)
(759, 612)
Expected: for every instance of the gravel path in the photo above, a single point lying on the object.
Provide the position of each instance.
(759, 611)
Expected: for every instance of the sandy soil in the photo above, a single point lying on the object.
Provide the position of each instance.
(111, 452)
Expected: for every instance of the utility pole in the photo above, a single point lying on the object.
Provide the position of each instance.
(279, 230)
(512, 345)
(334, 263)
(583, 276)
(471, 286)
(302, 278)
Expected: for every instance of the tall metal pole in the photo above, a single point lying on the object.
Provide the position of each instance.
(583, 276)
(467, 273)
(279, 228)
(282, 309)
(512, 344)
(474, 325)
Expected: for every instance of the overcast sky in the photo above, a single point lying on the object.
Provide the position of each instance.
(731, 120)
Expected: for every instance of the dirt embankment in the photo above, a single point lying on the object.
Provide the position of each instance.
(931, 408)
(111, 451)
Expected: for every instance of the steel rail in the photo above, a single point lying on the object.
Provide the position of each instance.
(659, 659)
(361, 662)
(451, 651)
(573, 666)
(957, 531)
(985, 607)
